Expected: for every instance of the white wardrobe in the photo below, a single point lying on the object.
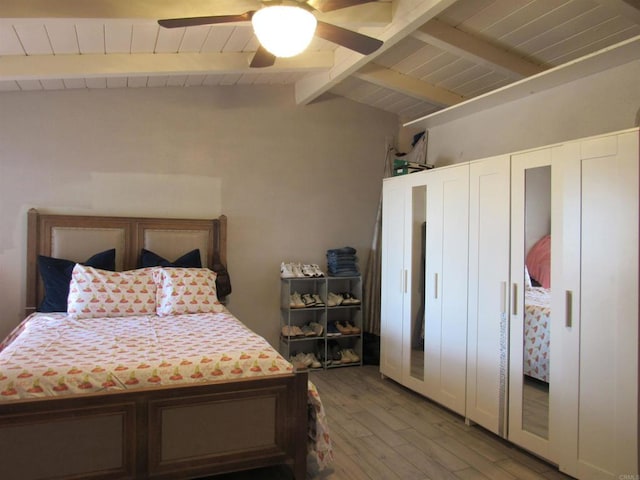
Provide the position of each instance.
(423, 320)
(456, 317)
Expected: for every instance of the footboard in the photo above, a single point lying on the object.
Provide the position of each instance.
(161, 433)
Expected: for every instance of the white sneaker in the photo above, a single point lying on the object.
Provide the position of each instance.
(317, 328)
(285, 271)
(318, 300)
(307, 270)
(312, 360)
(308, 300)
(352, 355)
(296, 269)
(300, 360)
(295, 301)
(316, 270)
(333, 299)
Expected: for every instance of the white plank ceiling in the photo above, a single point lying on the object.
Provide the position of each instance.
(437, 53)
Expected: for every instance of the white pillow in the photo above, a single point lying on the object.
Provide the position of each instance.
(186, 290)
(101, 293)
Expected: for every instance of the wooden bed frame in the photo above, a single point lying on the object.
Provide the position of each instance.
(159, 433)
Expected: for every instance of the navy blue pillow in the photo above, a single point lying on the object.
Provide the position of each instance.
(188, 260)
(56, 276)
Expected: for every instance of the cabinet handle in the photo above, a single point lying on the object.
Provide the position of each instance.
(503, 298)
(435, 288)
(514, 297)
(404, 280)
(568, 321)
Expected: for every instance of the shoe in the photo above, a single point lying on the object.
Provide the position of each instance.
(292, 331)
(318, 300)
(317, 271)
(320, 351)
(285, 271)
(300, 360)
(332, 331)
(335, 352)
(296, 270)
(313, 361)
(349, 299)
(307, 331)
(353, 355)
(308, 300)
(354, 330)
(287, 331)
(309, 271)
(333, 299)
(342, 329)
(354, 300)
(344, 357)
(317, 328)
(296, 301)
(349, 356)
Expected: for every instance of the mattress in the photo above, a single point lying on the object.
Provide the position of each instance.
(537, 324)
(54, 354)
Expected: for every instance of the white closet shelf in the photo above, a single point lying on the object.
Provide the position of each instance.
(610, 57)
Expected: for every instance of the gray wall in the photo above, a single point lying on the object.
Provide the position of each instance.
(293, 180)
(596, 104)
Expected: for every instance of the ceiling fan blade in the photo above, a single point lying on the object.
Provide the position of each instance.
(262, 58)
(348, 38)
(330, 5)
(194, 21)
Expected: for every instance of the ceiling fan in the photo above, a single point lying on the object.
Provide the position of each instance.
(277, 21)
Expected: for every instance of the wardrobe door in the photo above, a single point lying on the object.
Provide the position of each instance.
(532, 346)
(393, 279)
(402, 309)
(488, 299)
(447, 233)
(598, 305)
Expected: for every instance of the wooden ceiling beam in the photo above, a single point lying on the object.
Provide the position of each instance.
(375, 14)
(386, 78)
(41, 67)
(407, 16)
(462, 44)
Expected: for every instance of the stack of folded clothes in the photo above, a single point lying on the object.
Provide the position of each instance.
(342, 262)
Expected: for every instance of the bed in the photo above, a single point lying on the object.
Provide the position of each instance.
(537, 324)
(172, 411)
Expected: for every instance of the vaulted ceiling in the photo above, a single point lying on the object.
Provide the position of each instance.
(436, 53)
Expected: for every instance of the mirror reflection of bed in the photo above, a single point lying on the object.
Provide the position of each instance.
(537, 302)
(537, 323)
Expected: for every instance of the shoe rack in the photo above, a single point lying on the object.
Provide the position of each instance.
(327, 345)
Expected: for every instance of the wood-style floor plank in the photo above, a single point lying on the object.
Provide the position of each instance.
(383, 431)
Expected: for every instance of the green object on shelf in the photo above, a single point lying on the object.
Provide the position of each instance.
(402, 167)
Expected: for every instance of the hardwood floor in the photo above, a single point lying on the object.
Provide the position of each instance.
(382, 431)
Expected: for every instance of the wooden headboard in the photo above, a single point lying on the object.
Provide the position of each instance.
(77, 237)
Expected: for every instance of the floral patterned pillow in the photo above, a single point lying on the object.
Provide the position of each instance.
(186, 290)
(101, 293)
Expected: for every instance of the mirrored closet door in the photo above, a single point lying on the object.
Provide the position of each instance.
(403, 274)
(531, 345)
(416, 300)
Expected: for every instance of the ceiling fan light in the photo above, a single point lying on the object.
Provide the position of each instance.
(284, 30)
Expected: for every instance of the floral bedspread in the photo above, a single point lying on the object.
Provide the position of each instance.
(55, 355)
(537, 325)
(320, 451)
(52, 355)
